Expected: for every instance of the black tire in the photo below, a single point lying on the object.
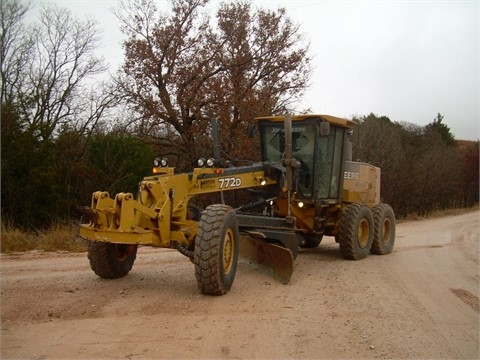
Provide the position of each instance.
(111, 261)
(216, 249)
(355, 234)
(311, 241)
(384, 229)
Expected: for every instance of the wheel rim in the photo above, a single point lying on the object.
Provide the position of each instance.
(363, 233)
(228, 251)
(123, 251)
(386, 231)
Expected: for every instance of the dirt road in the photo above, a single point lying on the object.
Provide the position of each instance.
(421, 301)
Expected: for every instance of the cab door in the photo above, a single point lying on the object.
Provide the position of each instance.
(328, 164)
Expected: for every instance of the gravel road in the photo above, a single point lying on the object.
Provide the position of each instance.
(421, 301)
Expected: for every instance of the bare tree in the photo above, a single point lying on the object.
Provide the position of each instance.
(167, 65)
(266, 64)
(51, 70)
(180, 70)
(15, 48)
(64, 62)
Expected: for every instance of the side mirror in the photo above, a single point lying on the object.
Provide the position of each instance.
(324, 128)
(251, 130)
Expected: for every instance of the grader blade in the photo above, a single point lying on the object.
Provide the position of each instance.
(278, 258)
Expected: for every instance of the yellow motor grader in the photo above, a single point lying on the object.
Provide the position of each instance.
(305, 187)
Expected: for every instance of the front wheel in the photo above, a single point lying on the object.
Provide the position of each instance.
(311, 241)
(355, 234)
(216, 249)
(111, 261)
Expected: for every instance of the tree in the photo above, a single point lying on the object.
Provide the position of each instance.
(47, 72)
(471, 160)
(441, 129)
(180, 71)
(420, 172)
(267, 68)
(376, 140)
(15, 48)
(58, 94)
(114, 162)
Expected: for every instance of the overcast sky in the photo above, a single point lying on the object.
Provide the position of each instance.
(408, 60)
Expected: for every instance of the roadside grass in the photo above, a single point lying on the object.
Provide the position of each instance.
(64, 237)
(58, 238)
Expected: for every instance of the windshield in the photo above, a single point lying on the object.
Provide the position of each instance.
(303, 146)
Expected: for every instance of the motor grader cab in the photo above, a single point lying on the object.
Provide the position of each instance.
(306, 187)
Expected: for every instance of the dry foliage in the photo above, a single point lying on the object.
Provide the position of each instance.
(181, 71)
(57, 238)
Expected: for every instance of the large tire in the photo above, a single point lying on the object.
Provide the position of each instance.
(355, 234)
(111, 261)
(311, 241)
(216, 249)
(384, 229)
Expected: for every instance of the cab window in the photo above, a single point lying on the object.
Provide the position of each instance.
(303, 148)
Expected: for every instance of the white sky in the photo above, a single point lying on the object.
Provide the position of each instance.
(408, 60)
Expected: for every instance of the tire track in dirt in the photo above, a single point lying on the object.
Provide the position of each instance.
(468, 298)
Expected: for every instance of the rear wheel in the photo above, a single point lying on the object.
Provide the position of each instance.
(355, 234)
(216, 249)
(384, 229)
(110, 261)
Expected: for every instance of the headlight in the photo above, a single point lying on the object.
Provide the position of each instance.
(160, 162)
(201, 162)
(210, 162)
